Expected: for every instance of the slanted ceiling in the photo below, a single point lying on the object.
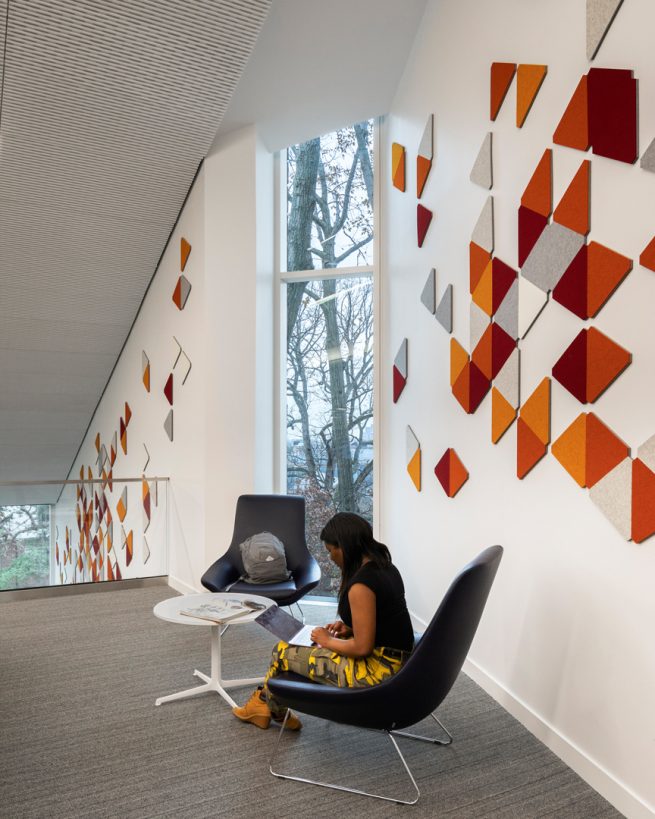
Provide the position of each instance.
(107, 111)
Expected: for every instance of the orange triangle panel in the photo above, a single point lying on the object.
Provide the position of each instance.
(483, 294)
(423, 165)
(146, 377)
(458, 360)
(502, 75)
(606, 269)
(479, 258)
(529, 449)
(128, 413)
(502, 415)
(570, 449)
(536, 411)
(605, 450)
(647, 258)
(643, 501)
(458, 474)
(573, 128)
(606, 360)
(573, 209)
(414, 469)
(538, 195)
(185, 250)
(398, 166)
(481, 356)
(528, 83)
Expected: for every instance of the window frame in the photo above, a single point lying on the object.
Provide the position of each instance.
(281, 278)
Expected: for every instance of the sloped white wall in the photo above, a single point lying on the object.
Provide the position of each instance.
(223, 440)
(183, 459)
(566, 640)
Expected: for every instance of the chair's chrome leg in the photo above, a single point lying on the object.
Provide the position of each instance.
(343, 787)
(302, 613)
(428, 739)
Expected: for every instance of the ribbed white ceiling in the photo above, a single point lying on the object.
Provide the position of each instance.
(107, 110)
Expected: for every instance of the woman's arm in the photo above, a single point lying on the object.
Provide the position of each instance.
(362, 643)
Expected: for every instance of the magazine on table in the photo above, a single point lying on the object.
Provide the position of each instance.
(222, 611)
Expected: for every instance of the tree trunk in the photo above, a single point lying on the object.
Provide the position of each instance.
(345, 491)
(299, 231)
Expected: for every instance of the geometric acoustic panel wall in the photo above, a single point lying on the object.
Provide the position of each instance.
(590, 364)
(423, 219)
(413, 458)
(551, 256)
(181, 292)
(429, 292)
(479, 258)
(424, 157)
(538, 194)
(185, 250)
(626, 496)
(533, 429)
(451, 473)
(482, 170)
(501, 77)
(602, 113)
(400, 371)
(444, 310)
(588, 450)
(573, 208)
(600, 16)
(647, 255)
(528, 82)
(470, 387)
(591, 278)
(492, 351)
(492, 287)
(398, 166)
(458, 360)
(483, 232)
(145, 370)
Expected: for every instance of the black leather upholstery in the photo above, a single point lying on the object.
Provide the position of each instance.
(284, 516)
(427, 677)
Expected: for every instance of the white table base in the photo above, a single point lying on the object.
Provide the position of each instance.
(214, 682)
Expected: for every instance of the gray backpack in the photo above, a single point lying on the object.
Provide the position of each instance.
(264, 560)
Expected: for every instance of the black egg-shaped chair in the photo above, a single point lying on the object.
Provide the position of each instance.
(283, 516)
(414, 692)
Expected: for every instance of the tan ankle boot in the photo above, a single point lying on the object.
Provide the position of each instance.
(293, 723)
(256, 711)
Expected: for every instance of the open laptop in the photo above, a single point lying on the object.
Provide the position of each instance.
(285, 627)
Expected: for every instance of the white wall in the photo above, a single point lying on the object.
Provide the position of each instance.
(183, 459)
(239, 328)
(566, 641)
(223, 442)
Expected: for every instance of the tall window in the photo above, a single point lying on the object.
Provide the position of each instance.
(329, 324)
(24, 546)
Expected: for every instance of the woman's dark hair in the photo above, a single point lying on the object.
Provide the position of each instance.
(354, 536)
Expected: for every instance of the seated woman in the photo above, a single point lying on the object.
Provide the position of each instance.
(371, 641)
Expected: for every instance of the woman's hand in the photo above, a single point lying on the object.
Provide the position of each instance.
(339, 629)
(322, 637)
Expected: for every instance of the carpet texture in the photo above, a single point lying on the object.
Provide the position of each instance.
(81, 736)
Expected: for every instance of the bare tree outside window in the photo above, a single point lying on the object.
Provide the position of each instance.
(330, 331)
(24, 546)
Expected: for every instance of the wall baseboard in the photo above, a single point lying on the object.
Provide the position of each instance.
(601, 780)
(182, 587)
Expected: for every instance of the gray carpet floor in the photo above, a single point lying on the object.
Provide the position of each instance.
(81, 736)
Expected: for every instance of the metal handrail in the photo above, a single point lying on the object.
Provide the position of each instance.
(81, 480)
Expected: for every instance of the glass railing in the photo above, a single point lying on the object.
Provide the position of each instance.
(59, 533)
